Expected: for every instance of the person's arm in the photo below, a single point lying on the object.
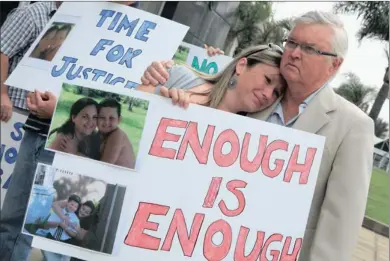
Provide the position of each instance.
(66, 228)
(57, 207)
(16, 33)
(345, 200)
(111, 150)
(51, 224)
(6, 104)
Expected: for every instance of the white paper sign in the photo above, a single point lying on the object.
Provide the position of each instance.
(213, 187)
(98, 42)
(198, 59)
(11, 136)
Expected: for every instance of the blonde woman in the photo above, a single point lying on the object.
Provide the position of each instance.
(250, 83)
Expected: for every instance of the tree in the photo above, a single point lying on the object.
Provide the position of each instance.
(356, 92)
(375, 16)
(274, 31)
(248, 17)
(381, 128)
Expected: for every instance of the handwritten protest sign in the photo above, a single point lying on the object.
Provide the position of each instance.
(11, 137)
(198, 59)
(98, 42)
(220, 187)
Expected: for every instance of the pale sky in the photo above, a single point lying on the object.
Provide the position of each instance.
(367, 60)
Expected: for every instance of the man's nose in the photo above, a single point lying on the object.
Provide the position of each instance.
(296, 52)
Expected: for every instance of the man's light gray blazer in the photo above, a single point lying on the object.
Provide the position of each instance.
(340, 196)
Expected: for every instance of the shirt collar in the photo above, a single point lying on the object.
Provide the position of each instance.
(278, 111)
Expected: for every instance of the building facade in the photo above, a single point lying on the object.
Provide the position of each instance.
(209, 22)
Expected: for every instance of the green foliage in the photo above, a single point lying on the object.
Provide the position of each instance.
(381, 128)
(356, 92)
(181, 54)
(375, 16)
(274, 31)
(249, 15)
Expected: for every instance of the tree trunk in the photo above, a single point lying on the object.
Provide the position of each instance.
(380, 99)
(130, 107)
(230, 42)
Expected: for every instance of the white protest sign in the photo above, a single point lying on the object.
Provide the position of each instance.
(198, 59)
(11, 136)
(99, 42)
(213, 186)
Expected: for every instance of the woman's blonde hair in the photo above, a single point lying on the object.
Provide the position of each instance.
(260, 54)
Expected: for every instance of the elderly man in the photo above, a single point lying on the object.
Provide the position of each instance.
(313, 53)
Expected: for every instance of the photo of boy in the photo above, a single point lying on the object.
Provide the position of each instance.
(115, 146)
(57, 228)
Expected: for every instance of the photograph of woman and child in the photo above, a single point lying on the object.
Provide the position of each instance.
(99, 128)
(74, 209)
(51, 41)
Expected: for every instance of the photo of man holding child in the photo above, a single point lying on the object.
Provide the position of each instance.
(98, 125)
(73, 209)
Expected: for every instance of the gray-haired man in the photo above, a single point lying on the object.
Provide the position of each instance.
(313, 53)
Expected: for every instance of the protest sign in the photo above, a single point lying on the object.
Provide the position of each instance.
(100, 42)
(212, 186)
(198, 59)
(11, 136)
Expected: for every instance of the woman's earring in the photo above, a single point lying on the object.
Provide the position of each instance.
(233, 82)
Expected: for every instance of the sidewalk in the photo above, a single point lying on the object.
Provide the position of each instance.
(371, 247)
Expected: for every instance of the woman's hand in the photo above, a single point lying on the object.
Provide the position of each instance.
(68, 144)
(178, 96)
(211, 51)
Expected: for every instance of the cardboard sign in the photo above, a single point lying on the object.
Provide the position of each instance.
(11, 136)
(98, 42)
(198, 59)
(211, 186)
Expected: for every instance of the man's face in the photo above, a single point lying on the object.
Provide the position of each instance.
(298, 66)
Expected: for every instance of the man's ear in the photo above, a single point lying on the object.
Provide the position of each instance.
(336, 63)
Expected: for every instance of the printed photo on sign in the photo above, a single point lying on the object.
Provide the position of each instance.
(181, 54)
(98, 125)
(73, 209)
(199, 60)
(51, 41)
